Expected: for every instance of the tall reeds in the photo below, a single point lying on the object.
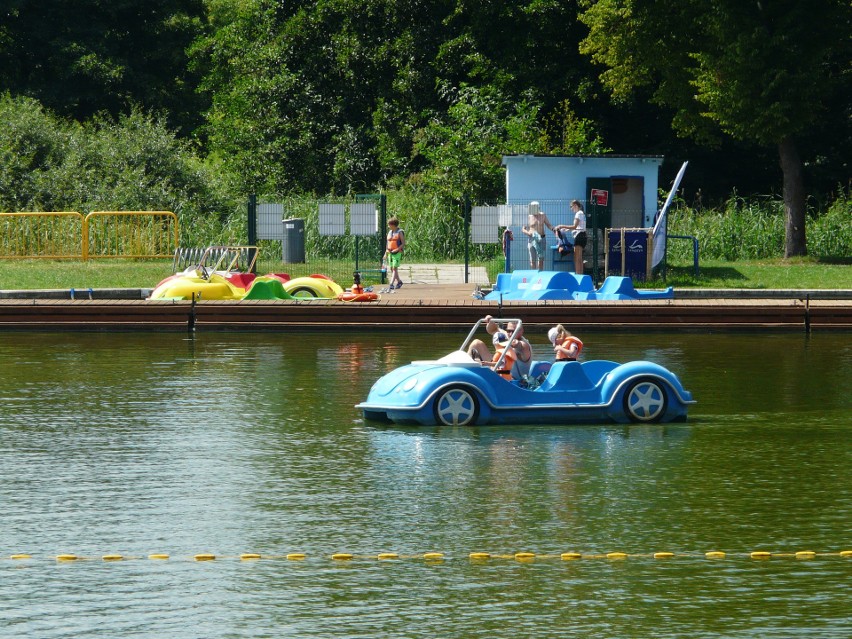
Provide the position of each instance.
(753, 228)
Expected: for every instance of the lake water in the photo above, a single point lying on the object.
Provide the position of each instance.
(230, 443)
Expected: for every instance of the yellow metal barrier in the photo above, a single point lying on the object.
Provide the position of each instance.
(100, 234)
(130, 234)
(42, 235)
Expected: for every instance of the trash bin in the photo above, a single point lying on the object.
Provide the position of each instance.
(293, 244)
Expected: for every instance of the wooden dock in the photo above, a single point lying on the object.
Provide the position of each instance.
(425, 308)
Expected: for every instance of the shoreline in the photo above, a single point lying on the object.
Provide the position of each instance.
(427, 307)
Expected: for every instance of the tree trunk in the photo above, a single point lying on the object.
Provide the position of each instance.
(794, 199)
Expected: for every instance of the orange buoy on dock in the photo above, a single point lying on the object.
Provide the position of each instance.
(363, 296)
(357, 292)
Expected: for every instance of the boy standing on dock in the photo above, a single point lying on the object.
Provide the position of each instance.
(393, 252)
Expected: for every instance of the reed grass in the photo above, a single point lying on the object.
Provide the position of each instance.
(753, 229)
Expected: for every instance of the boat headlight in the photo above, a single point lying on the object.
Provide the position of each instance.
(410, 384)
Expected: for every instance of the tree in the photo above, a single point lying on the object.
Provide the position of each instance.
(318, 96)
(90, 56)
(759, 71)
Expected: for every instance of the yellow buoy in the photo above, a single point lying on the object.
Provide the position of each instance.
(204, 557)
(568, 556)
(805, 554)
(158, 555)
(342, 556)
(433, 556)
(296, 556)
(66, 557)
(715, 554)
(616, 555)
(846, 553)
(663, 555)
(480, 555)
(112, 557)
(524, 556)
(21, 555)
(387, 555)
(249, 555)
(760, 554)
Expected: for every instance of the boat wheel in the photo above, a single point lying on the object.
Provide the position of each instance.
(456, 406)
(645, 401)
(303, 291)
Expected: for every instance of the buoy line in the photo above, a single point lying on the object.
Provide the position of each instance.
(523, 557)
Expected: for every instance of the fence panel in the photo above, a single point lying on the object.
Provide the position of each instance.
(345, 234)
(130, 234)
(514, 216)
(338, 236)
(41, 235)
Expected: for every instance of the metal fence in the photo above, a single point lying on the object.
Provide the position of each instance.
(98, 235)
(43, 235)
(337, 237)
(130, 234)
(514, 215)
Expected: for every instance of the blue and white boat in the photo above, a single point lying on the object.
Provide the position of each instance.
(456, 390)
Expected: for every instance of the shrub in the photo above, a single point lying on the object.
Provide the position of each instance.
(133, 163)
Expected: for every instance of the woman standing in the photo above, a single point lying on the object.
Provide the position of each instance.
(578, 228)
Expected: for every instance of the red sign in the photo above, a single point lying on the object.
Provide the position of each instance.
(600, 197)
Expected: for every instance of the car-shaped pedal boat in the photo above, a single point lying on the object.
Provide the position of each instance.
(457, 390)
(227, 273)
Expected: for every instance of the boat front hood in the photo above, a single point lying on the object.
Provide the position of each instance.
(420, 374)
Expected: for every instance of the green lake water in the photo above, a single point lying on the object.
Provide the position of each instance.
(230, 443)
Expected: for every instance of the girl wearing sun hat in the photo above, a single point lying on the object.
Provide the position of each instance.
(566, 346)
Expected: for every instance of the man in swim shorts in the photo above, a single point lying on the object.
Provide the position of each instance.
(534, 230)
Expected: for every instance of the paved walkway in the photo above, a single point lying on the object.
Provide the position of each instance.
(442, 274)
(437, 282)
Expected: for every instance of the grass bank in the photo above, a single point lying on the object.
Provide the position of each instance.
(796, 273)
(799, 273)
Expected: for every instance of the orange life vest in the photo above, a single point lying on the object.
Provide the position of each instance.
(395, 240)
(566, 344)
(508, 362)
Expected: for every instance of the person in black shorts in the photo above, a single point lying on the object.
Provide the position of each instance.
(578, 228)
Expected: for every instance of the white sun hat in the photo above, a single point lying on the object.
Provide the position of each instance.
(552, 334)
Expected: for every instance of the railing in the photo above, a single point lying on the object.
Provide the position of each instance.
(98, 235)
(130, 234)
(42, 235)
(694, 248)
(216, 258)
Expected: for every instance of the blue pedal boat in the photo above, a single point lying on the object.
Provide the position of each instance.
(456, 390)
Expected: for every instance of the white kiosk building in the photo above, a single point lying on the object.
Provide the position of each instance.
(616, 191)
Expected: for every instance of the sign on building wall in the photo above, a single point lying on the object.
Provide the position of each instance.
(600, 197)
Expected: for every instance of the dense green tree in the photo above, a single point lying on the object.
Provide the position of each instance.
(87, 56)
(317, 96)
(341, 95)
(31, 141)
(522, 48)
(465, 150)
(763, 72)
